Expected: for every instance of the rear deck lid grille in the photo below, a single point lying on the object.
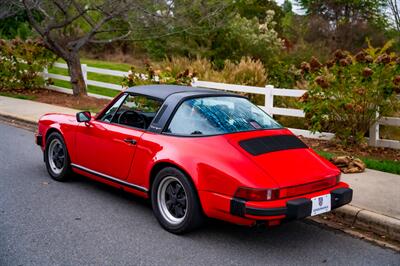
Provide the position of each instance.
(266, 144)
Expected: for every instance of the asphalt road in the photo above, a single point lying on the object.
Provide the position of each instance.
(82, 222)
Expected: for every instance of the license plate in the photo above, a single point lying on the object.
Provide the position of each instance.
(321, 204)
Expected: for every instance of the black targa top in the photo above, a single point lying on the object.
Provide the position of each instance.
(163, 91)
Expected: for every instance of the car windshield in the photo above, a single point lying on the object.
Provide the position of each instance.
(218, 115)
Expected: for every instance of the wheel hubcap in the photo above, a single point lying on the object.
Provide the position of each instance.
(56, 156)
(172, 200)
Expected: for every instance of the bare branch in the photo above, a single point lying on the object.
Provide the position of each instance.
(87, 18)
(64, 23)
(61, 7)
(394, 8)
(121, 37)
(50, 43)
(9, 8)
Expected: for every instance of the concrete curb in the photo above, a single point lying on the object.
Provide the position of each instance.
(371, 221)
(19, 119)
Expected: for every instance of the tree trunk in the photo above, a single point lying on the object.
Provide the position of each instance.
(75, 72)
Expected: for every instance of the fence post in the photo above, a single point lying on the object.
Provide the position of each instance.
(269, 99)
(84, 73)
(44, 73)
(374, 133)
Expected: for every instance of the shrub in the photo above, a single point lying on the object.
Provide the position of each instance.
(181, 70)
(202, 67)
(165, 76)
(346, 93)
(21, 63)
(246, 72)
(241, 36)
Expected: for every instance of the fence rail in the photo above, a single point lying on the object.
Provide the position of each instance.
(85, 70)
(268, 91)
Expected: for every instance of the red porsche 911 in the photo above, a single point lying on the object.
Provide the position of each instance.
(195, 153)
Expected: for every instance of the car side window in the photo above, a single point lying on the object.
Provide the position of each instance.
(108, 116)
(137, 111)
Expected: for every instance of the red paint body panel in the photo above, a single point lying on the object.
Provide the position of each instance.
(217, 165)
(102, 148)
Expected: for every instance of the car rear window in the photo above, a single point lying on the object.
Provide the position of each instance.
(218, 115)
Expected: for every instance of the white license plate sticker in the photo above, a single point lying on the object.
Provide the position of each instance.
(321, 204)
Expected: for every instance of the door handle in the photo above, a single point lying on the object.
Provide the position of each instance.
(130, 141)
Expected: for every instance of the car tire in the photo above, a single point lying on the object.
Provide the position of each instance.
(56, 157)
(175, 201)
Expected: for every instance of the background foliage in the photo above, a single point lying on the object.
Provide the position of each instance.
(250, 42)
(346, 93)
(21, 63)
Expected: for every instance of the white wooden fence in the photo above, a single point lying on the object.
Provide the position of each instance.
(269, 91)
(85, 70)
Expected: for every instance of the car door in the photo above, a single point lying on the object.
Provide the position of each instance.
(107, 145)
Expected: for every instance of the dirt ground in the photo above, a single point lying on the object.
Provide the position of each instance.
(362, 150)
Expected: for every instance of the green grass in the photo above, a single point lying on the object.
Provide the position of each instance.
(106, 64)
(94, 76)
(103, 64)
(91, 75)
(388, 166)
(91, 89)
(18, 96)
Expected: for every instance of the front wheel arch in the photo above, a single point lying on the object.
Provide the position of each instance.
(52, 130)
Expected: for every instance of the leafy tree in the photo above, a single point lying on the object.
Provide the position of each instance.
(249, 37)
(258, 8)
(67, 26)
(196, 42)
(241, 32)
(287, 7)
(345, 10)
(345, 23)
(15, 26)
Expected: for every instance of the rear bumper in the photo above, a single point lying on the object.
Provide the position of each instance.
(295, 209)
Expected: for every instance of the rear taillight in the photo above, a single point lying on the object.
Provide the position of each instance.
(308, 188)
(253, 194)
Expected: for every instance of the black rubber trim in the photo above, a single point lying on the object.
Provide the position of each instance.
(266, 212)
(340, 197)
(110, 178)
(266, 144)
(298, 208)
(238, 207)
(39, 140)
(295, 209)
(160, 113)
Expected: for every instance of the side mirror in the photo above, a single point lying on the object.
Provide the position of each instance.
(83, 116)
